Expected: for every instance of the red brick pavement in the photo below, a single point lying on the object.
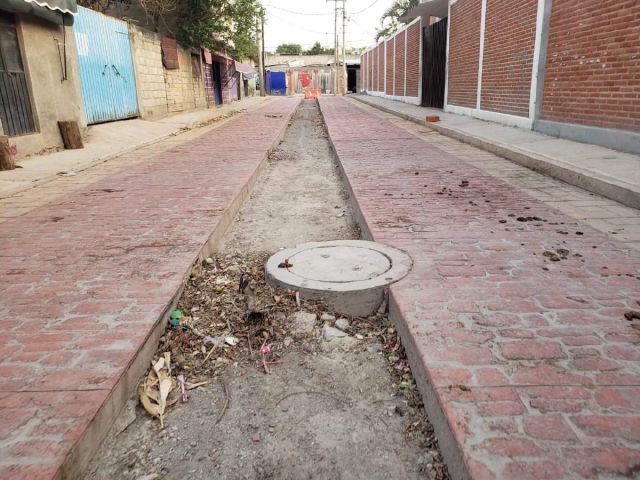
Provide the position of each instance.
(85, 280)
(528, 367)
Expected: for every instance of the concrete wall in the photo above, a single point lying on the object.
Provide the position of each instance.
(52, 99)
(308, 60)
(150, 83)
(185, 87)
(161, 91)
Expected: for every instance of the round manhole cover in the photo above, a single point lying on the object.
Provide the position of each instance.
(339, 264)
(347, 275)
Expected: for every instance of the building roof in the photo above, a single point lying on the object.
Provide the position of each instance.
(430, 8)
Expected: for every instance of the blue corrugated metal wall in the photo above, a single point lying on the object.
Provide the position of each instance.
(105, 65)
(276, 83)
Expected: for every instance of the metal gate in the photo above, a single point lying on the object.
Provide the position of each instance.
(276, 83)
(106, 68)
(16, 113)
(434, 64)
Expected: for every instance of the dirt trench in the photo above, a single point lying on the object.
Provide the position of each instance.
(331, 410)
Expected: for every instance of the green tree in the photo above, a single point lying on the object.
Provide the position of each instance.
(220, 25)
(390, 20)
(289, 49)
(355, 51)
(318, 49)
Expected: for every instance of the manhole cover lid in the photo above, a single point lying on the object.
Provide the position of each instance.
(339, 264)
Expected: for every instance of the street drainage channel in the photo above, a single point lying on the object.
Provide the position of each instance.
(348, 276)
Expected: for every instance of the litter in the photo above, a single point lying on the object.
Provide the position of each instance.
(157, 386)
(182, 389)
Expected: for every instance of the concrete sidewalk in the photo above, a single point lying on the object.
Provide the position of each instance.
(108, 140)
(513, 316)
(612, 174)
(88, 280)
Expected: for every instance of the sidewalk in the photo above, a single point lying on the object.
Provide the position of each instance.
(513, 315)
(87, 281)
(107, 140)
(612, 174)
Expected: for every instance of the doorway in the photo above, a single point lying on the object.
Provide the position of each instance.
(434, 64)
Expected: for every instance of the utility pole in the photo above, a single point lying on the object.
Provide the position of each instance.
(335, 48)
(260, 41)
(344, 48)
(263, 89)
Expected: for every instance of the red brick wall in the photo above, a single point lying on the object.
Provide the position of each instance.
(413, 60)
(464, 53)
(374, 65)
(388, 87)
(509, 41)
(592, 75)
(398, 89)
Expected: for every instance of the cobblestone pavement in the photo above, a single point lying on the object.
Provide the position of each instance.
(86, 278)
(610, 217)
(514, 313)
(46, 189)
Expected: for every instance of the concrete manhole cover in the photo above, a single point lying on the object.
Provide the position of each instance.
(348, 275)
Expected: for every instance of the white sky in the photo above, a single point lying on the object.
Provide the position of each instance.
(285, 27)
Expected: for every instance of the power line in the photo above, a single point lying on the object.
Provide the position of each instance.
(365, 9)
(297, 13)
(362, 28)
(296, 26)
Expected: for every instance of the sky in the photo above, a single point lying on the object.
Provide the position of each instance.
(308, 21)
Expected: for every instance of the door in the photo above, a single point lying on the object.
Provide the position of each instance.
(105, 66)
(16, 113)
(217, 83)
(434, 64)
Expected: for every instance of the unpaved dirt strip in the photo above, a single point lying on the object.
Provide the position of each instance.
(341, 410)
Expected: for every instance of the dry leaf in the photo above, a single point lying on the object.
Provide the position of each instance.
(156, 388)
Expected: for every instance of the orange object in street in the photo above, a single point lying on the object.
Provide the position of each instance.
(312, 93)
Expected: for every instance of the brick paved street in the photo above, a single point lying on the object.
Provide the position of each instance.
(86, 279)
(513, 313)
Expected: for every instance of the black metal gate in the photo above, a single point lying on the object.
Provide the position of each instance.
(15, 104)
(434, 64)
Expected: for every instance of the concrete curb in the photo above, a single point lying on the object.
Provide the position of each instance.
(612, 189)
(451, 452)
(78, 459)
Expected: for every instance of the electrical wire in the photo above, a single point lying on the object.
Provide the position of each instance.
(365, 9)
(297, 26)
(362, 28)
(298, 13)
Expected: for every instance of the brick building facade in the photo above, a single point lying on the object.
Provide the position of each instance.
(568, 68)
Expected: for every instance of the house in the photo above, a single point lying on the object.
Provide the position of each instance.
(39, 82)
(565, 68)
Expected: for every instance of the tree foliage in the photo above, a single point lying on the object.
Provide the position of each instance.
(318, 49)
(102, 6)
(220, 25)
(289, 49)
(390, 20)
